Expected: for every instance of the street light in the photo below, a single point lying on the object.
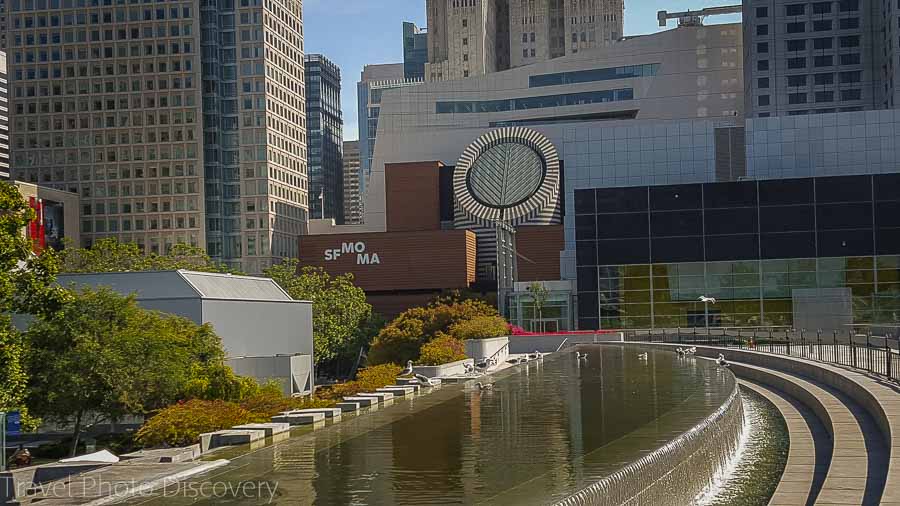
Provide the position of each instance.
(706, 302)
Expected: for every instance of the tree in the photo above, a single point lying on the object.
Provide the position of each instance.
(340, 309)
(539, 294)
(25, 288)
(110, 255)
(402, 339)
(102, 356)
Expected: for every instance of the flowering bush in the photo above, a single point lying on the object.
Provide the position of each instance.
(442, 350)
(367, 380)
(480, 327)
(181, 424)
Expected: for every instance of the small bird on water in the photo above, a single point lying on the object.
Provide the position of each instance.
(680, 351)
(721, 361)
(580, 356)
(642, 356)
(484, 386)
(425, 380)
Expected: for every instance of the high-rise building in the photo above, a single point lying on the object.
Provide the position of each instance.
(175, 123)
(475, 37)
(4, 118)
(352, 211)
(415, 51)
(814, 57)
(325, 127)
(886, 19)
(373, 80)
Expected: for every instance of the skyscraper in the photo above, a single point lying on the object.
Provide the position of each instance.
(325, 128)
(176, 123)
(814, 57)
(475, 37)
(415, 51)
(352, 210)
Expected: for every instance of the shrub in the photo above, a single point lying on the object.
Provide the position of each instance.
(442, 350)
(367, 379)
(480, 327)
(267, 402)
(181, 424)
(402, 339)
(219, 382)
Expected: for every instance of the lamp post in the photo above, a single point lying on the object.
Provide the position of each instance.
(706, 301)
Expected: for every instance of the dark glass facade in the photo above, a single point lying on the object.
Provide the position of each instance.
(415, 51)
(645, 254)
(325, 127)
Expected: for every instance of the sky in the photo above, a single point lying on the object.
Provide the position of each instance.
(355, 33)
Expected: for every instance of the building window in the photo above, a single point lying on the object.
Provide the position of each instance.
(849, 5)
(796, 45)
(850, 59)
(823, 61)
(524, 37)
(825, 43)
(851, 77)
(465, 22)
(821, 8)
(796, 63)
(796, 27)
(762, 12)
(824, 79)
(762, 47)
(525, 53)
(762, 29)
(465, 41)
(851, 94)
(763, 100)
(762, 82)
(762, 65)
(850, 41)
(465, 57)
(824, 96)
(822, 25)
(794, 9)
(796, 80)
(849, 23)
(796, 98)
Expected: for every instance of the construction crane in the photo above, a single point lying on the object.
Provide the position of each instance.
(695, 18)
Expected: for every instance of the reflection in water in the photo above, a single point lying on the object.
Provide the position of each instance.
(546, 430)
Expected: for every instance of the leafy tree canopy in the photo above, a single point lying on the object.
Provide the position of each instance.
(110, 255)
(340, 310)
(25, 287)
(103, 355)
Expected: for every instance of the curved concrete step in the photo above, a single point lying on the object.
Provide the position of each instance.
(810, 445)
(857, 469)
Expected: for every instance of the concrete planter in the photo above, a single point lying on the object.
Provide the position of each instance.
(438, 371)
(480, 349)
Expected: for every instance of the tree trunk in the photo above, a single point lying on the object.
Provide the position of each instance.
(76, 432)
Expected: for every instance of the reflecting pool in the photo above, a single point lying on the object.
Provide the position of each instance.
(547, 430)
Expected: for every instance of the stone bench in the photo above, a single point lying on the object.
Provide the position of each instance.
(165, 455)
(269, 429)
(228, 437)
(362, 401)
(379, 396)
(348, 406)
(397, 391)
(328, 412)
(294, 418)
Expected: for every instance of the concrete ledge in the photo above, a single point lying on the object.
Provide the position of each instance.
(348, 406)
(362, 401)
(229, 437)
(165, 455)
(268, 429)
(437, 371)
(397, 391)
(480, 349)
(379, 396)
(328, 412)
(294, 418)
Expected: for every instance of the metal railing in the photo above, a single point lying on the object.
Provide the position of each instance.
(874, 354)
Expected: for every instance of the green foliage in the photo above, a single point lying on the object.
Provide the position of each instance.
(181, 424)
(367, 380)
(401, 339)
(340, 309)
(25, 288)
(214, 380)
(110, 255)
(104, 355)
(269, 401)
(539, 294)
(480, 327)
(443, 349)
